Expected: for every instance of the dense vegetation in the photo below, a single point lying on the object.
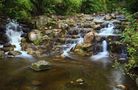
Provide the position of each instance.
(25, 9)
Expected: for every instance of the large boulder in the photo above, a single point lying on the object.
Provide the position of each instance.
(83, 49)
(40, 65)
(34, 35)
(89, 37)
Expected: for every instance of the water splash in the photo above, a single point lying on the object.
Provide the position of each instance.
(71, 46)
(109, 30)
(14, 33)
(103, 54)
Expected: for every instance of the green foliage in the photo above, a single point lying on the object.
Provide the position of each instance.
(130, 38)
(90, 6)
(56, 6)
(87, 6)
(1, 7)
(132, 5)
(24, 9)
(37, 41)
(19, 9)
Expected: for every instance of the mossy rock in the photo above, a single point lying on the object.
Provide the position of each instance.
(40, 65)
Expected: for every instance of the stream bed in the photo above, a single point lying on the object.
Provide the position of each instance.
(15, 74)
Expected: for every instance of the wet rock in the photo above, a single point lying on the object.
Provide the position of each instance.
(123, 57)
(48, 32)
(30, 51)
(13, 53)
(8, 47)
(77, 83)
(45, 37)
(116, 21)
(89, 37)
(98, 21)
(80, 80)
(36, 83)
(41, 65)
(113, 15)
(122, 87)
(83, 49)
(97, 26)
(108, 17)
(34, 35)
(57, 31)
(121, 17)
(87, 24)
(62, 25)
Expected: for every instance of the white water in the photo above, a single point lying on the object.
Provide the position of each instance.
(71, 46)
(1, 46)
(109, 30)
(106, 31)
(103, 54)
(14, 32)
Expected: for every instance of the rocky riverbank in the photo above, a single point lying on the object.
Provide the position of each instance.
(50, 33)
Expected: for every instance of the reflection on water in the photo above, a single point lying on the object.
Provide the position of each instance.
(16, 75)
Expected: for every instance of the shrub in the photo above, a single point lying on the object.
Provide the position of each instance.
(90, 6)
(67, 7)
(19, 9)
(132, 5)
(1, 7)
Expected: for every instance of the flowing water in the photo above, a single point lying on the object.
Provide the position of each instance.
(71, 45)
(109, 30)
(14, 33)
(102, 55)
(16, 75)
(104, 32)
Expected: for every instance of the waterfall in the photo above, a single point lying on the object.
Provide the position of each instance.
(104, 32)
(103, 54)
(14, 33)
(71, 46)
(104, 45)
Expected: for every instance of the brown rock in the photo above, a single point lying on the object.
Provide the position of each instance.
(36, 83)
(122, 87)
(34, 35)
(88, 38)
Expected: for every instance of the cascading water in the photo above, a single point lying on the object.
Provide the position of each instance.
(104, 46)
(104, 32)
(103, 54)
(109, 30)
(72, 46)
(14, 32)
